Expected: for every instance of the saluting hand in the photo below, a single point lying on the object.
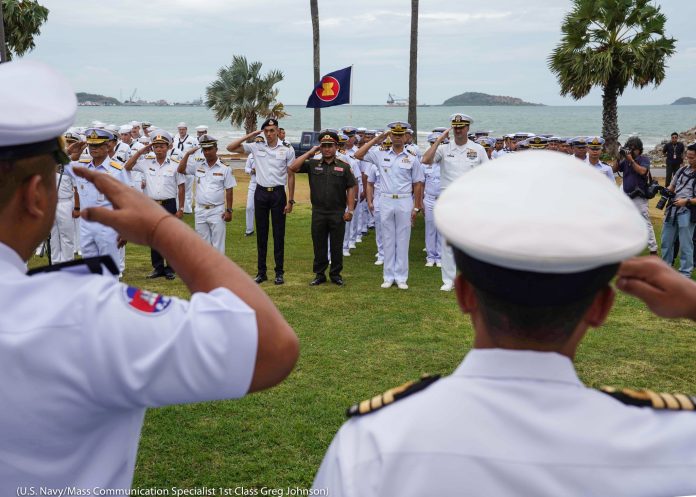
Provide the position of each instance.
(76, 149)
(666, 292)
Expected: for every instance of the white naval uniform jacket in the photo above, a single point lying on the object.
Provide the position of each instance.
(456, 160)
(82, 357)
(512, 423)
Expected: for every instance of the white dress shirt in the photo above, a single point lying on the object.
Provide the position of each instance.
(271, 163)
(82, 357)
(211, 181)
(512, 423)
(161, 180)
(455, 160)
(398, 172)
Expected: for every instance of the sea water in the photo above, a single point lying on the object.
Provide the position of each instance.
(652, 123)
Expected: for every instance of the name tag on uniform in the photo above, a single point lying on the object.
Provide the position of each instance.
(450, 155)
(168, 174)
(218, 174)
(386, 159)
(152, 172)
(200, 171)
(405, 159)
(281, 154)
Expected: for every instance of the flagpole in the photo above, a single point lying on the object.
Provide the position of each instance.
(350, 97)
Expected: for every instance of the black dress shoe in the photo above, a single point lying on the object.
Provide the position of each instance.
(156, 273)
(279, 279)
(337, 281)
(260, 278)
(170, 276)
(318, 280)
(249, 234)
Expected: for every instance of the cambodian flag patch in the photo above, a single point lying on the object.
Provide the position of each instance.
(145, 301)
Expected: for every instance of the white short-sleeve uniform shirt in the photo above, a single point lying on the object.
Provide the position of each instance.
(398, 172)
(512, 423)
(211, 181)
(455, 160)
(271, 163)
(82, 357)
(161, 180)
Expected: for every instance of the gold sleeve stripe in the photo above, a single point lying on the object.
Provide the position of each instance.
(684, 401)
(657, 401)
(669, 399)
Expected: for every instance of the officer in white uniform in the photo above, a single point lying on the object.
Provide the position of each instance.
(401, 177)
(63, 231)
(214, 184)
(457, 157)
(183, 142)
(514, 419)
(97, 239)
(272, 159)
(594, 150)
(250, 169)
(83, 356)
(431, 194)
(163, 184)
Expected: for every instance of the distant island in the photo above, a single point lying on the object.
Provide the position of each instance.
(95, 100)
(685, 101)
(90, 99)
(474, 98)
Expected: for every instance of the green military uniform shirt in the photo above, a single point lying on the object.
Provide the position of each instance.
(328, 183)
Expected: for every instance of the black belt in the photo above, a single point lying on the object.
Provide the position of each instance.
(271, 188)
(162, 202)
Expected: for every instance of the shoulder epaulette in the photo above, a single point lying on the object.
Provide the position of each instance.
(286, 144)
(175, 159)
(116, 165)
(411, 152)
(654, 400)
(150, 155)
(391, 396)
(85, 160)
(88, 265)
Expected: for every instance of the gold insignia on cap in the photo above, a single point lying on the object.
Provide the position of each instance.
(327, 137)
(94, 135)
(537, 140)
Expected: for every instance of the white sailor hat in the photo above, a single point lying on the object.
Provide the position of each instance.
(370, 132)
(71, 136)
(459, 120)
(580, 234)
(361, 130)
(145, 140)
(146, 124)
(201, 127)
(409, 131)
(126, 128)
(98, 124)
(182, 124)
(398, 127)
(113, 128)
(440, 129)
(342, 137)
(349, 130)
(160, 136)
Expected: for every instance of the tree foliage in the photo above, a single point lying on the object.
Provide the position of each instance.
(611, 44)
(241, 93)
(22, 20)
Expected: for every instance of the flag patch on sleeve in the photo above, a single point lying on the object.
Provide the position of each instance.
(146, 301)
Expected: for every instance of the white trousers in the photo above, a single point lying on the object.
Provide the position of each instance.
(642, 206)
(188, 195)
(77, 235)
(449, 268)
(395, 217)
(364, 216)
(211, 227)
(378, 232)
(97, 239)
(250, 208)
(63, 233)
(432, 235)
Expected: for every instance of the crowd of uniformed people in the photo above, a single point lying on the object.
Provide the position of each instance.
(393, 181)
(83, 355)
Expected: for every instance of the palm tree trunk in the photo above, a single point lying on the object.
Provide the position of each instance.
(250, 123)
(610, 118)
(413, 71)
(314, 9)
(3, 47)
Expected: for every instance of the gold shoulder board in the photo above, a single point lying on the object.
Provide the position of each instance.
(654, 400)
(116, 165)
(391, 396)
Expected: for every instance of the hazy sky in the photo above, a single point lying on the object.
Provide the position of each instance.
(172, 49)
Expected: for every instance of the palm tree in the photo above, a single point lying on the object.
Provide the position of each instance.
(611, 44)
(413, 70)
(241, 93)
(20, 23)
(314, 9)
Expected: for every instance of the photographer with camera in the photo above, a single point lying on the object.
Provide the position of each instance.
(680, 214)
(635, 170)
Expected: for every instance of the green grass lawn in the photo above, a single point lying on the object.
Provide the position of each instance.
(356, 342)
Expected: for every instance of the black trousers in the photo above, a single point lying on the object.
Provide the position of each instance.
(272, 202)
(670, 170)
(158, 261)
(325, 225)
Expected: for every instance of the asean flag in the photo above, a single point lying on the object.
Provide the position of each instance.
(332, 89)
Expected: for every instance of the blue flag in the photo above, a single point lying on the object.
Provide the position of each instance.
(332, 89)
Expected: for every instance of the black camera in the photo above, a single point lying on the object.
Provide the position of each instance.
(667, 196)
(624, 152)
